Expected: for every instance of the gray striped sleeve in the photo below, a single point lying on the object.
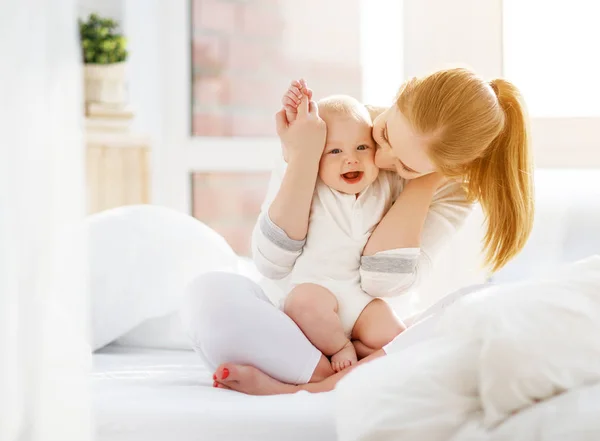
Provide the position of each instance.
(277, 236)
(389, 264)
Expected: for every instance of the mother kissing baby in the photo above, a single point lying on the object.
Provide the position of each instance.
(336, 234)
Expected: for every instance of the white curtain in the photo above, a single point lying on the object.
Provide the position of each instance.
(43, 288)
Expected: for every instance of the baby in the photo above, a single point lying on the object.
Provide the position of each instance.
(351, 197)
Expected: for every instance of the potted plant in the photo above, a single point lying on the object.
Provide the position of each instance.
(104, 54)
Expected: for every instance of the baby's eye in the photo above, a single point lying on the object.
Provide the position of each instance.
(335, 151)
(362, 147)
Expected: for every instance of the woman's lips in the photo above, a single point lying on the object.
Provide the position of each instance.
(352, 177)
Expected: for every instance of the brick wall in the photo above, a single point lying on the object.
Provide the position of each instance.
(244, 53)
(230, 203)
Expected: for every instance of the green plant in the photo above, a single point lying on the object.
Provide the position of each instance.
(100, 43)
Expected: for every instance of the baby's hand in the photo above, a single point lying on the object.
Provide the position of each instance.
(291, 99)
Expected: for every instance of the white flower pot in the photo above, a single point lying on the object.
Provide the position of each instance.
(105, 83)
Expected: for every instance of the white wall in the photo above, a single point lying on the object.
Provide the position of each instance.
(108, 8)
(141, 22)
(442, 33)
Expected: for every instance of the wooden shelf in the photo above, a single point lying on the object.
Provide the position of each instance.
(118, 170)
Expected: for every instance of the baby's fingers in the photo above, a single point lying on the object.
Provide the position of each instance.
(294, 96)
(290, 102)
(296, 89)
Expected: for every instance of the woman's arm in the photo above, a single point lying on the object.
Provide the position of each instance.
(400, 250)
(402, 225)
(281, 229)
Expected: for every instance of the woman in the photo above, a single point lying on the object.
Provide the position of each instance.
(454, 139)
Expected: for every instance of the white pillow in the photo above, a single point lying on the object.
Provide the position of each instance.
(539, 338)
(167, 332)
(142, 257)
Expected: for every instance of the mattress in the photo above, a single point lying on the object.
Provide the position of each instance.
(165, 395)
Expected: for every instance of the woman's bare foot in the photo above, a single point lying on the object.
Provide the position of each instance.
(344, 358)
(249, 380)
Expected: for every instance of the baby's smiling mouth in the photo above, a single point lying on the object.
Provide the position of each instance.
(352, 177)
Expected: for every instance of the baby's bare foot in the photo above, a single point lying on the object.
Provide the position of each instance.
(344, 358)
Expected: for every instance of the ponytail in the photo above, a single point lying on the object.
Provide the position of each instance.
(502, 181)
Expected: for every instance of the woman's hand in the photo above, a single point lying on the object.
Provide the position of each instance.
(305, 137)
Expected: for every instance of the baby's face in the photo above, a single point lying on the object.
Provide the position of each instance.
(347, 164)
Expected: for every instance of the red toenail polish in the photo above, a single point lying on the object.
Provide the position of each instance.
(214, 376)
(215, 384)
(225, 373)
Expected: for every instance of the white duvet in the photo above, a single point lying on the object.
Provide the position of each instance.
(513, 362)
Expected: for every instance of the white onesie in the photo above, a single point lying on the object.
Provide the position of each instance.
(339, 227)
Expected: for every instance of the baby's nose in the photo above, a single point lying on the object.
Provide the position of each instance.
(351, 160)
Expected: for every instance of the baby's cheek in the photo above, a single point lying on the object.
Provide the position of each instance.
(329, 170)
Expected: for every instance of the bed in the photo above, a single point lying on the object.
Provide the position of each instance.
(155, 394)
(159, 395)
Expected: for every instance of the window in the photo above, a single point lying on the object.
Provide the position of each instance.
(244, 54)
(552, 51)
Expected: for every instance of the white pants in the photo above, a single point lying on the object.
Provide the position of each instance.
(229, 319)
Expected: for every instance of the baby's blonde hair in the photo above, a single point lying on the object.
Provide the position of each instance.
(343, 105)
(479, 131)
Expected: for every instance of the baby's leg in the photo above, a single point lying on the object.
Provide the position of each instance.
(314, 309)
(376, 326)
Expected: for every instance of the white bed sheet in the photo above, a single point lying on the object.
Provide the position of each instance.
(164, 395)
